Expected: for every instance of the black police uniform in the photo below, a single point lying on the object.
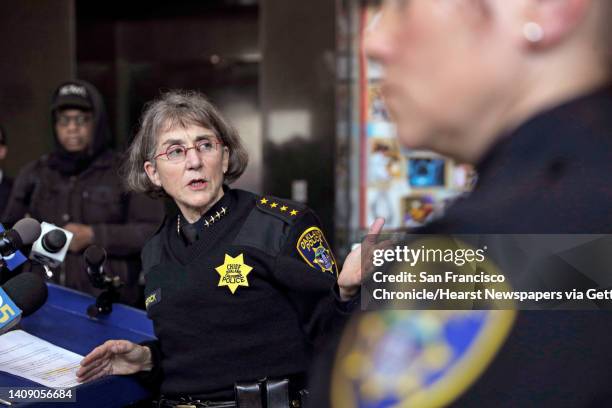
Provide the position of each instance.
(248, 300)
(549, 176)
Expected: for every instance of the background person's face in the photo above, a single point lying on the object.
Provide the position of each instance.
(74, 129)
(446, 64)
(194, 183)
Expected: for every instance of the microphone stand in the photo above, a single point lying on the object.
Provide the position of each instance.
(105, 300)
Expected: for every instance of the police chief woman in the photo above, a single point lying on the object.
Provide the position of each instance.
(239, 286)
(521, 89)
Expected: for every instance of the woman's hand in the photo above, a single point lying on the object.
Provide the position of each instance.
(351, 275)
(114, 357)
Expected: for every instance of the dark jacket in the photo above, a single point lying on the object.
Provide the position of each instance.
(122, 222)
(5, 191)
(550, 176)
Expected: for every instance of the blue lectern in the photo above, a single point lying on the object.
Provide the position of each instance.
(63, 321)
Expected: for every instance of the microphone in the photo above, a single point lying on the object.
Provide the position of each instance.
(51, 248)
(95, 256)
(24, 232)
(20, 296)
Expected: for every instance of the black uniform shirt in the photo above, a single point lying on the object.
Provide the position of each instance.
(247, 300)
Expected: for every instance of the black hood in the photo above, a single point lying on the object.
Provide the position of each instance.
(71, 163)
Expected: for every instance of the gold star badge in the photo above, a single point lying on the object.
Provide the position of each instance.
(273, 205)
(283, 208)
(293, 212)
(233, 272)
(263, 200)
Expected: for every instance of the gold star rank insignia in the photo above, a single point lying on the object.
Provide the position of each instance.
(283, 208)
(293, 212)
(233, 272)
(263, 200)
(273, 205)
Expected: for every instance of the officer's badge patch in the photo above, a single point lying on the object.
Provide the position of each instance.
(413, 358)
(315, 250)
(152, 299)
(233, 272)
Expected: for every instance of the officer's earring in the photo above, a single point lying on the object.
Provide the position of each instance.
(533, 32)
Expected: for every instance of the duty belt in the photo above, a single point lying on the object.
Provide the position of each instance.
(260, 394)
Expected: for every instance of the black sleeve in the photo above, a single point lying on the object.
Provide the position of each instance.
(151, 380)
(19, 201)
(307, 269)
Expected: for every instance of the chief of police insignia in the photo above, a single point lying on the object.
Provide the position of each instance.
(240, 287)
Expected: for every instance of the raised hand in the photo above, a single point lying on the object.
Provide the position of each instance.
(351, 276)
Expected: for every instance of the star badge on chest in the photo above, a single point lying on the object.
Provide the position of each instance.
(233, 273)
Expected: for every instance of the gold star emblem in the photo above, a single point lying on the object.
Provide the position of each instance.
(233, 272)
(293, 212)
(283, 208)
(263, 200)
(273, 205)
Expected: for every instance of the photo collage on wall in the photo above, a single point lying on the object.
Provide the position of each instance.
(407, 187)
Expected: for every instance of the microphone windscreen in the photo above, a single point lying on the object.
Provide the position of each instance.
(28, 291)
(95, 255)
(28, 230)
(54, 240)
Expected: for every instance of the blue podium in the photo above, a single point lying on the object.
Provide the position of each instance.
(63, 321)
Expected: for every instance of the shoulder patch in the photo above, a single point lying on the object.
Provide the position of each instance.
(315, 250)
(416, 358)
(287, 210)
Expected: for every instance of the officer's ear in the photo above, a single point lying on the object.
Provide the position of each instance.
(151, 170)
(3, 151)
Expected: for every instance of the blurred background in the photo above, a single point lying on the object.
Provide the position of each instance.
(289, 74)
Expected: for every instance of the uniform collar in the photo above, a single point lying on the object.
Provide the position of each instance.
(215, 214)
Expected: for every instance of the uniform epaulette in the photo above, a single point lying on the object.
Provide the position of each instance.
(287, 210)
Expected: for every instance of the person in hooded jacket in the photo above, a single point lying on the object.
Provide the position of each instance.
(77, 187)
(6, 183)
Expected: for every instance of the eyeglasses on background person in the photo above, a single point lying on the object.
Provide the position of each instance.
(79, 120)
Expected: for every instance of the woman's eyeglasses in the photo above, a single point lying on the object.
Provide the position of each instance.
(178, 153)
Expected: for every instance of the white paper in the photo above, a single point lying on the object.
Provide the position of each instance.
(37, 360)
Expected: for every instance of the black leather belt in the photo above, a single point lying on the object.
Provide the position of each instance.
(260, 394)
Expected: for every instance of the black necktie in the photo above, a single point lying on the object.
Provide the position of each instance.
(190, 233)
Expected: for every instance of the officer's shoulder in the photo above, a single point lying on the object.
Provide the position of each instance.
(32, 170)
(151, 251)
(269, 222)
(287, 210)
(38, 164)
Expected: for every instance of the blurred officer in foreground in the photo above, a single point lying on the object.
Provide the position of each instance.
(77, 187)
(521, 90)
(6, 184)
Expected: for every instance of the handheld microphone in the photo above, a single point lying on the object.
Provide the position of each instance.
(24, 232)
(95, 256)
(20, 296)
(51, 248)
